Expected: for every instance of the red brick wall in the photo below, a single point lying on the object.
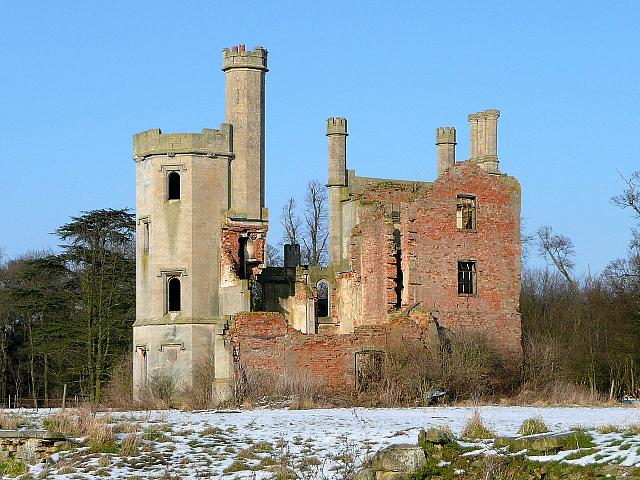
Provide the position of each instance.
(264, 342)
(432, 246)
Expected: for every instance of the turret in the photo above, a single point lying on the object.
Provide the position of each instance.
(484, 139)
(245, 95)
(337, 137)
(446, 142)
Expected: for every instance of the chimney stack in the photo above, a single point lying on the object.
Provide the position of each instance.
(484, 139)
(446, 142)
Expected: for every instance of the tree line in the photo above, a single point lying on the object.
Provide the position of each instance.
(66, 318)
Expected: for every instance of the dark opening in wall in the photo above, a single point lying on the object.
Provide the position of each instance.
(467, 277)
(174, 186)
(243, 256)
(174, 294)
(323, 299)
(369, 366)
(399, 280)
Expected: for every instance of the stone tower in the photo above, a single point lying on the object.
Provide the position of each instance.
(201, 225)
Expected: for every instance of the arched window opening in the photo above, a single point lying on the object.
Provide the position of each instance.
(174, 294)
(323, 298)
(174, 186)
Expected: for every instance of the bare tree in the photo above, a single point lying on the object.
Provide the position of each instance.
(273, 256)
(559, 248)
(315, 217)
(630, 197)
(290, 222)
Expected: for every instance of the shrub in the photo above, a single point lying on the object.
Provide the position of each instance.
(9, 422)
(532, 426)
(475, 428)
(119, 390)
(130, 445)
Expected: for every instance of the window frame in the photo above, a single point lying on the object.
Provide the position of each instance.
(460, 210)
(474, 277)
(166, 170)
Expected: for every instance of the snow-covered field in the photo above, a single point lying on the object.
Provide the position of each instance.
(319, 442)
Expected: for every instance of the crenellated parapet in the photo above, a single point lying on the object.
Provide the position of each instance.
(239, 57)
(337, 126)
(210, 142)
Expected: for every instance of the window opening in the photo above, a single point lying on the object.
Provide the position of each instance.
(243, 256)
(323, 299)
(142, 355)
(467, 278)
(466, 212)
(399, 280)
(174, 294)
(145, 234)
(174, 186)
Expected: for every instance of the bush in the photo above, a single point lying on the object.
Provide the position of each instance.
(475, 428)
(119, 390)
(533, 426)
(465, 365)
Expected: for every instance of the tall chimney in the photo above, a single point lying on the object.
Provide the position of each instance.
(337, 136)
(473, 123)
(446, 142)
(484, 139)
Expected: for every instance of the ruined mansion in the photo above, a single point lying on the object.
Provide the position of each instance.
(408, 259)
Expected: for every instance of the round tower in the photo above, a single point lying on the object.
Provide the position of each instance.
(245, 99)
(337, 183)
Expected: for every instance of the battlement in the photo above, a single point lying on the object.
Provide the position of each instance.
(209, 142)
(337, 126)
(445, 135)
(239, 57)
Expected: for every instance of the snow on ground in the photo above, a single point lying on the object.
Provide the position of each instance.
(319, 442)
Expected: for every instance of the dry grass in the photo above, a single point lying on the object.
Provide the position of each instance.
(130, 445)
(9, 422)
(557, 393)
(297, 391)
(475, 427)
(533, 426)
(82, 422)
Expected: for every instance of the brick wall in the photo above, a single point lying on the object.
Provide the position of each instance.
(432, 245)
(264, 342)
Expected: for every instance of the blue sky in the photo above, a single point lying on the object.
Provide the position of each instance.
(78, 79)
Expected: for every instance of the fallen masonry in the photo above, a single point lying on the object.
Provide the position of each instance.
(30, 446)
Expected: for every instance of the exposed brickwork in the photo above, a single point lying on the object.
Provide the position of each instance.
(265, 342)
(230, 251)
(432, 245)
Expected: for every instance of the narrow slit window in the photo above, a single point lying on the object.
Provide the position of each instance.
(467, 278)
(174, 186)
(173, 288)
(145, 236)
(466, 212)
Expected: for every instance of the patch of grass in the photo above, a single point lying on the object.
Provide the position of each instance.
(581, 453)
(609, 429)
(130, 445)
(475, 428)
(546, 445)
(533, 426)
(211, 431)
(155, 435)
(237, 466)
(12, 468)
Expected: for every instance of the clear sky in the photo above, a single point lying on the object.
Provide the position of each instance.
(78, 79)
